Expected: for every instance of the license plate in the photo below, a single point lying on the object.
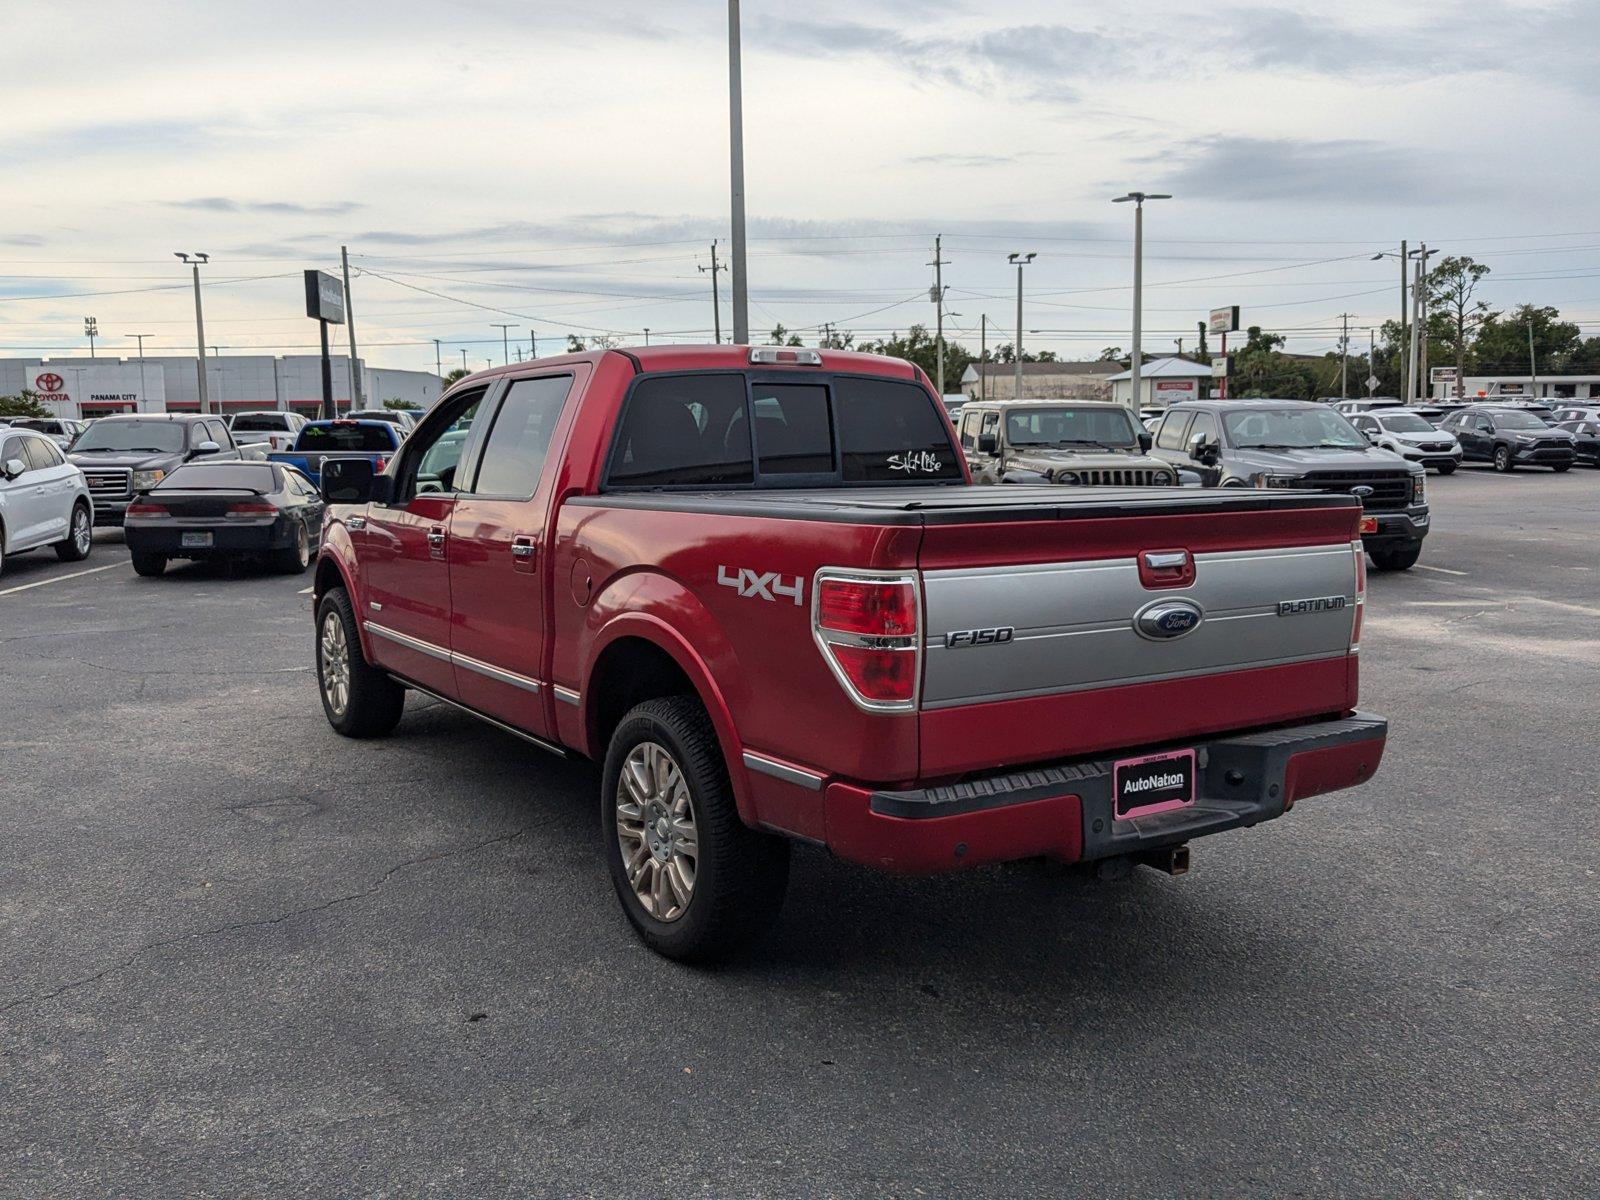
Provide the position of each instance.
(196, 541)
(1369, 524)
(1153, 784)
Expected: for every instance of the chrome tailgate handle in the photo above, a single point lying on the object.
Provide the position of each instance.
(1166, 561)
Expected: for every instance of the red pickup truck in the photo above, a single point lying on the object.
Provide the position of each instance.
(758, 585)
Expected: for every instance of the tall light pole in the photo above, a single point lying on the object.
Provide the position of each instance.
(741, 293)
(983, 356)
(505, 341)
(1405, 318)
(438, 361)
(140, 337)
(1021, 260)
(91, 330)
(1137, 366)
(1533, 363)
(195, 260)
(357, 399)
(464, 366)
(1423, 255)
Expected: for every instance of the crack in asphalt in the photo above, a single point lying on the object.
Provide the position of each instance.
(235, 927)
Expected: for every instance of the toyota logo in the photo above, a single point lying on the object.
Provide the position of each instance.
(50, 382)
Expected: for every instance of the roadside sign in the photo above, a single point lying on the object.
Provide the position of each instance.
(1219, 367)
(1372, 383)
(1224, 320)
(1442, 375)
(324, 297)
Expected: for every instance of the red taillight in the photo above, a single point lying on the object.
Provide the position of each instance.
(147, 508)
(380, 466)
(1361, 595)
(866, 627)
(251, 509)
(860, 606)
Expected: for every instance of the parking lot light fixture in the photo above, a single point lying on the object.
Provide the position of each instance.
(1020, 260)
(195, 260)
(1136, 367)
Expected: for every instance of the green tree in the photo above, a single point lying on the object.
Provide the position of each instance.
(25, 405)
(1005, 352)
(922, 348)
(1455, 314)
(782, 337)
(1501, 347)
(452, 376)
(398, 405)
(1261, 369)
(1111, 354)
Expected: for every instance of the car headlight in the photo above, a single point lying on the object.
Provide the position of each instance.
(1268, 480)
(1419, 489)
(143, 481)
(1526, 438)
(1066, 477)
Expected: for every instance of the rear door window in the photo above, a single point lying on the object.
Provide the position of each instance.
(684, 430)
(891, 432)
(1204, 425)
(513, 457)
(41, 454)
(1172, 430)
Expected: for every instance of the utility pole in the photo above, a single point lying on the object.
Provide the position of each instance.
(1201, 353)
(1533, 363)
(1021, 260)
(464, 366)
(1138, 199)
(505, 342)
(983, 356)
(1404, 311)
(937, 295)
(1372, 361)
(533, 345)
(716, 299)
(647, 335)
(741, 292)
(199, 326)
(141, 337)
(1424, 384)
(438, 361)
(1344, 357)
(91, 328)
(1411, 365)
(357, 399)
(1180, 346)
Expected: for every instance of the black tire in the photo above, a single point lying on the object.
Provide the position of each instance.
(372, 701)
(1402, 559)
(1502, 460)
(1561, 468)
(295, 559)
(739, 874)
(1447, 468)
(149, 565)
(79, 541)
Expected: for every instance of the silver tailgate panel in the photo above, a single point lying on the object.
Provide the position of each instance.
(1074, 622)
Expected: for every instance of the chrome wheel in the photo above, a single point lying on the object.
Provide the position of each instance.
(333, 651)
(302, 548)
(81, 533)
(656, 831)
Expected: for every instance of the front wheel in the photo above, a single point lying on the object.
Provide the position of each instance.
(359, 700)
(149, 565)
(80, 537)
(1402, 559)
(1561, 468)
(696, 882)
(1502, 460)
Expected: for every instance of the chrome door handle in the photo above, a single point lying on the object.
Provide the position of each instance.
(355, 523)
(436, 539)
(522, 550)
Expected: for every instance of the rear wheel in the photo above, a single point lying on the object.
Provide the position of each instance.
(80, 536)
(696, 882)
(1402, 559)
(297, 557)
(359, 700)
(149, 565)
(1502, 460)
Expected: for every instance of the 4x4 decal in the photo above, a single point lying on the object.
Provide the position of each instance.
(763, 585)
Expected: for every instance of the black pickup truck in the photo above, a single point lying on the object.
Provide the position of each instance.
(125, 455)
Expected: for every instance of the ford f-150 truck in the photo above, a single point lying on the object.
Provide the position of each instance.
(325, 441)
(760, 588)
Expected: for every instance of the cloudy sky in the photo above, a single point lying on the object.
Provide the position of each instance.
(563, 166)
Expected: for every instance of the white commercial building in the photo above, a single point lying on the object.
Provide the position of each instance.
(1162, 382)
(1514, 387)
(97, 387)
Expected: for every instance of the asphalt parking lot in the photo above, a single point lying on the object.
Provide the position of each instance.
(244, 957)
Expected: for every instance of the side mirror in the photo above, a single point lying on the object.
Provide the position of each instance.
(1202, 449)
(1372, 435)
(205, 448)
(13, 467)
(355, 481)
(988, 443)
(1146, 441)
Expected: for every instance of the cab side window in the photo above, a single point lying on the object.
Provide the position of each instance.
(433, 458)
(1205, 425)
(513, 456)
(1172, 430)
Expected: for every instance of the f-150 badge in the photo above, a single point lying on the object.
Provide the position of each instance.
(762, 585)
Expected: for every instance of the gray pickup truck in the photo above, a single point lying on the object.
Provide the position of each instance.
(1297, 444)
(124, 455)
(1080, 442)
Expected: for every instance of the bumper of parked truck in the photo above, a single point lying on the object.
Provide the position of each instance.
(1065, 810)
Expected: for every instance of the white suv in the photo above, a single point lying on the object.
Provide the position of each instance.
(44, 500)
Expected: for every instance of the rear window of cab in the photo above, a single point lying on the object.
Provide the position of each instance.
(734, 429)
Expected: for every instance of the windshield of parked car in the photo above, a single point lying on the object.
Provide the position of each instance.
(1066, 428)
(1405, 423)
(1291, 429)
(1517, 420)
(158, 437)
(346, 435)
(258, 422)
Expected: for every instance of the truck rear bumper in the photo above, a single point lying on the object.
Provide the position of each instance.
(1064, 811)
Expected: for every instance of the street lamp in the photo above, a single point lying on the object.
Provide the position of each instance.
(91, 330)
(141, 337)
(1138, 199)
(195, 260)
(741, 293)
(1020, 260)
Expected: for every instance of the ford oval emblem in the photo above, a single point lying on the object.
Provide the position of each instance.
(1361, 490)
(1167, 619)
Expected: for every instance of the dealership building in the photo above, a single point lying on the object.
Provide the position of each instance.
(96, 387)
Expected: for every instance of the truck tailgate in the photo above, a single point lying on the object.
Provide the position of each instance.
(1069, 672)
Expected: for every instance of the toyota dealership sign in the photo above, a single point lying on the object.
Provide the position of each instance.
(106, 387)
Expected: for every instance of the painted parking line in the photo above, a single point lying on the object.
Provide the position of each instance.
(60, 579)
(1440, 570)
(305, 591)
